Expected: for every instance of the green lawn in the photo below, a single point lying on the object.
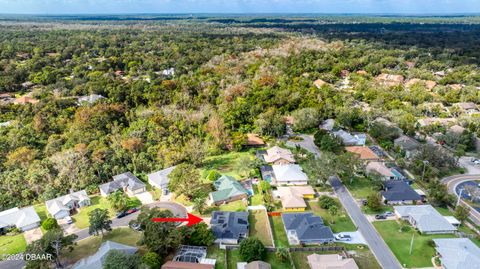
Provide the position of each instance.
(214, 252)
(91, 244)
(41, 210)
(81, 218)
(399, 243)
(340, 223)
(226, 164)
(367, 210)
(463, 228)
(234, 206)
(359, 187)
(12, 244)
(278, 230)
(259, 226)
(257, 198)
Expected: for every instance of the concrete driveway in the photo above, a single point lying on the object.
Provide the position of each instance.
(307, 143)
(145, 197)
(357, 238)
(466, 162)
(33, 235)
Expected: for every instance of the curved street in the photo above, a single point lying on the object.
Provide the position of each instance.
(452, 182)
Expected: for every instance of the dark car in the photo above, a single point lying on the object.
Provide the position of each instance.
(136, 226)
(131, 211)
(121, 214)
(380, 216)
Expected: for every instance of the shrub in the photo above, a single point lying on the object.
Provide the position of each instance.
(213, 175)
(152, 259)
(326, 202)
(252, 249)
(50, 224)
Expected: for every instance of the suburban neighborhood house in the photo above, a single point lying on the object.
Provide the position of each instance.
(126, 182)
(160, 179)
(288, 174)
(351, 139)
(63, 206)
(363, 153)
(228, 189)
(457, 253)
(96, 260)
(425, 219)
(253, 265)
(385, 172)
(190, 257)
(277, 156)
(292, 197)
(306, 228)
(330, 261)
(407, 145)
(467, 107)
(229, 227)
(22, 218)
(399, 192)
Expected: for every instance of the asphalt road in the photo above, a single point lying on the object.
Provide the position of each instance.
(452, 182)
(381, 251)
(177, 209)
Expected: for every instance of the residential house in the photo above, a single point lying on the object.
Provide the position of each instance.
(267, 173)
(407, 145)
(306, 228)
(389, 79)
(228, 189)
(389, 124)
(22, 218)
(328, 125)
(457, 253)
(63, 206)
(25, 100)
(363, 153)
(385, 172)
(288, 174)
(160, 179)
(127, 182)
(399, 192)
(429, 84)
(229, 227)
(351, 139)
(96, 260)
(89, 99)
(278, 155)
(253, 265)
(425, 218)
(193, 254)
(330, 261)
(467, 107)
(436, 121)
(292, 197)
(253, 140)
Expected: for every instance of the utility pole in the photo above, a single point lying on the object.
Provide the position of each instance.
(424, 166)
(459, 196)
(411, 243)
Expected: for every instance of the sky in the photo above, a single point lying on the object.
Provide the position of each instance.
(239, 6)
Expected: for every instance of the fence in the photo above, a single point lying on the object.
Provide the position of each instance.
(274, 214)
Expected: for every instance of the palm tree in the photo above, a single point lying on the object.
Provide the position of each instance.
(118, 200)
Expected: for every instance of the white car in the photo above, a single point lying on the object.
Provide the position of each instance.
(476, 161)
(69, 220)
(343, 237)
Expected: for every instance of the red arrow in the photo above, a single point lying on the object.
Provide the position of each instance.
(191, 219)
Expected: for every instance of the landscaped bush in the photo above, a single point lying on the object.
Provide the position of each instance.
(326, 202)
(252, 249)
(152, 259)
(50, 224)
(213, 175)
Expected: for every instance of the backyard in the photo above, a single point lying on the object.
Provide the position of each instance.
(227, 164)
(81, 218)
(339, 223)
(12, 244)
(399, 243)
(90, 245)
(260, 227)
(233, 257)
(214, 252)
(278, 230)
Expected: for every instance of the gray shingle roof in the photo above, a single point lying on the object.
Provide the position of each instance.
(19, 217)
(458, 253)
(229, 225)
(96, 260)
(308, 227)
(58, 204)
(160, 178)
(121, 181)
(427, 219)
(406, 143)
(399, 190)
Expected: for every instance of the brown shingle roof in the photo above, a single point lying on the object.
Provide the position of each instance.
(254, 140)
(364, 153)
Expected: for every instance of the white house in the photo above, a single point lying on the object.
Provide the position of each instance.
(289, 174)
(160, 179)
(23, 218)
(62, 206)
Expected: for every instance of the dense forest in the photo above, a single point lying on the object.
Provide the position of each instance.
(231, 76)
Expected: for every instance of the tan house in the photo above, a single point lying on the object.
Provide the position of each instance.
(293, 197)
(278, 155)
(389, 79)
(363, 153)
(330, 261)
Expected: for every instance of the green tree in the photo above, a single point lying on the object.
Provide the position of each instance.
(461, 213)
(99, 220)
(118, 200)
(282, 254)
(333, 211)
(199, 204)
(252, 249)
(326, 202)
(213, 175)
(159, 237)
(374, 202)
(49, 224)
(184, 179)
(197, 235)
(152, 260)
(116, 259)
(328, 142)
(305, 119)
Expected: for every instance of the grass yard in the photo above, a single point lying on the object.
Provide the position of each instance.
(257, 198)
(41, 210)
(234, 206)
(81, 218)
(341, 222)
(12, 244)
(463, 228)
(226, 164)
(182, 199)
(214, 252)
(399, 243)
(359, 187)
(278, 230)
(91, 244)
(259, 226)
(367, 210)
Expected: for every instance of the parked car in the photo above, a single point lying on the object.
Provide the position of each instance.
(380, 216)
(343, 237)
(364, 201)
(136, 226)
(69, 220)
(388, 214)
(121, 214)
(131, 211)
(475, 161)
